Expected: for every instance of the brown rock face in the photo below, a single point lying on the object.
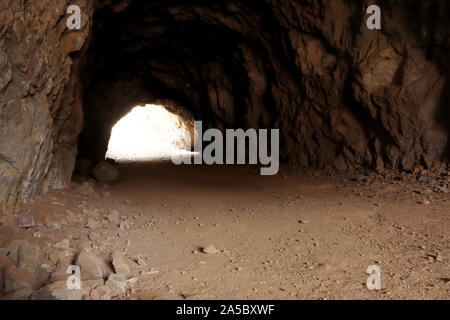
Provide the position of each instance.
(37, 96)
(342, 95)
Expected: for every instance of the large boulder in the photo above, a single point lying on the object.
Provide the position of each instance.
(26, 255)
(105, 172)
(18, 278)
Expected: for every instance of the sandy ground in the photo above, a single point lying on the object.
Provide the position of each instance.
(297, 235)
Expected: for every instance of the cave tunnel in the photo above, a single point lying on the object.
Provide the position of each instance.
(362, 120)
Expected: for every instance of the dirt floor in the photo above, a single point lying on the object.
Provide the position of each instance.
(297, 235)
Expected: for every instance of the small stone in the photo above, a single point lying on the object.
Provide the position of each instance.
(88, 285)
(25, 219)
(55, 255)
(93, 224)
(59, 204)
(94, 236)
(425, 202)
(302, 221)
(63, 244)
(101, 292)
(147, 273)
(52, 223)
(120, 263)
(117, 283)
(85, 189)
(140, 262)
(113, 217)
(124, 225)
(133, 280)
(73, 218)
(210, 249)
(106, 194)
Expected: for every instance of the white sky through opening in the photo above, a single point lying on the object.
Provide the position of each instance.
(148, 133)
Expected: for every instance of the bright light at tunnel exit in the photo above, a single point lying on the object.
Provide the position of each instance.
(149, 133)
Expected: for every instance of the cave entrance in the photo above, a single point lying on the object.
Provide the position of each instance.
(149, 133)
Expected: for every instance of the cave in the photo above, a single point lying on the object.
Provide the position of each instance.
(151, 133)
(362, 120)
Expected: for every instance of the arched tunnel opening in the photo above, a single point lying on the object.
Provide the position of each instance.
(150, 133)
(224, 149)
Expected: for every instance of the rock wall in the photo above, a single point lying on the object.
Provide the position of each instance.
(343, 96)
(37, 94)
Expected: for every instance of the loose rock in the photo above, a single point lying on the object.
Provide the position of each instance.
(117, 283)
(210, 249)
(85, 189)
(101, 292)
(140, 262)
(124, 225)
(52, 223)
(93, 224)
(113, 217)
(92, 266)
(105, 172)
(57, 291)
(63, 244)
(18, 278)
(120, 263)
(25, 219)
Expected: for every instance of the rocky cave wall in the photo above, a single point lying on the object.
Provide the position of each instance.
(40, 106)
(343, 96)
